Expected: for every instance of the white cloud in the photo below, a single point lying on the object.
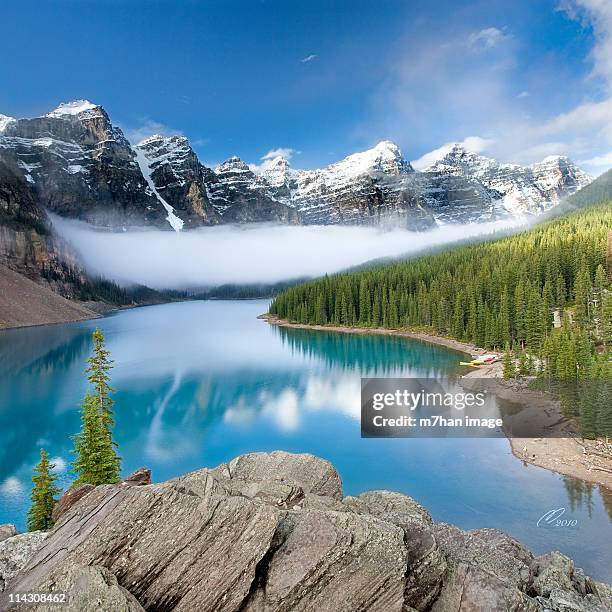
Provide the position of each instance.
(587, 127)
(309, 58)
(478, 93)
(589, 115)
(285, 152)
(270, 156)
(200, 142)
(284, 410)
(597, 13)
(599, 160)
(147, 128)
(260, 253)
(60, 465)
(476, 144)
(12, 486)
(487, 38)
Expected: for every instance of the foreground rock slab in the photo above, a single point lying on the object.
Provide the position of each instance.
(272, 531)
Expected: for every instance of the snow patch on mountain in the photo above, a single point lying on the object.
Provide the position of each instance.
(172, 151)
(278, 172)
(143, 162)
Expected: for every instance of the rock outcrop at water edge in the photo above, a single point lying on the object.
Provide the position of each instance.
(273, 531)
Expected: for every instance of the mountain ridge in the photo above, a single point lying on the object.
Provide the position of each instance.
(82, 166)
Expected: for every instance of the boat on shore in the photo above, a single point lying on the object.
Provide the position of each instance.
(476, 362)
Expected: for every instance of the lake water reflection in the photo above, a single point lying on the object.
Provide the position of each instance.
(198, 383)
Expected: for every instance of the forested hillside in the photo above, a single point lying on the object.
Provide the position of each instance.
(492, 294)
(599, 191)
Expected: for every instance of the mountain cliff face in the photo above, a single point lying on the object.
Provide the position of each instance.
(79, 165)
(27, 244)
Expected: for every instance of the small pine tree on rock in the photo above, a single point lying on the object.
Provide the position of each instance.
(97, 461)
(43, 494)
(98, 370)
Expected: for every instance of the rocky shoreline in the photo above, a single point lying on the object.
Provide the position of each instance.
(273, 531)
(463, 347)
(562, 452)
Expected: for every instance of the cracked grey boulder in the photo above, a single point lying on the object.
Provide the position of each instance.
(333, 561)
(487, 570)
(311, 474)
(425, 562)
(561, 586)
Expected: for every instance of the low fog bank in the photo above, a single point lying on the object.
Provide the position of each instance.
(249, 254)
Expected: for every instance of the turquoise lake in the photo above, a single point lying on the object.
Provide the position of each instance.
(198, 383)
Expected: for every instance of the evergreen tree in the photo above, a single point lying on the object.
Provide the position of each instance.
(97, 461)
(560, 291)
(364, 304)
(509, 367)
(98, 370)
(320, 312)
(457, 323)
(43, 494)
(587, 397)
(606, 324)
(582, 294)
(523, 367)
(599, 290)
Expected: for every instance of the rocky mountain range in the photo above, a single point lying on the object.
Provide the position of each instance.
(77, 164)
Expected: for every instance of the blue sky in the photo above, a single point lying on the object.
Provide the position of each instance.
(520, 79)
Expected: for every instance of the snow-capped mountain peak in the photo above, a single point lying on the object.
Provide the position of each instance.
(459, 161)
(232, 165)
(278, 172)
(554, 159)
(4, 121)
(75, 107)
(150, 139)
(279, 162)
(518, 189)
(158, 146)
(384, 157)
